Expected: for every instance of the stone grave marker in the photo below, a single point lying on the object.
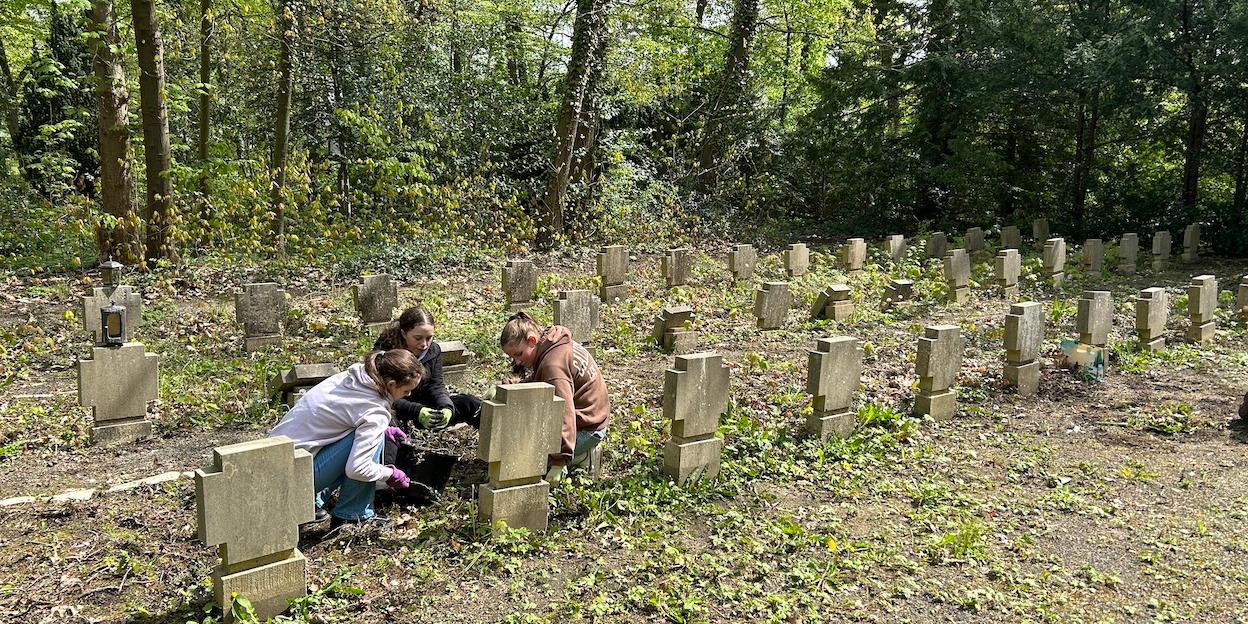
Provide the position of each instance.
(1054, 260)
(520, 429)
(1024, 331)
(974, 240)
(455, 358)
(1128, 252)
(677, 266)
(937, 245)
(579, 311)
(741, 261)
(1007, 266)
(1161, 250)
(771, 304)
(117, 383)
(1094, 318)
(250, 504)
(854, 255)
(1011, 238)
(897, 291)
(125, 296)
(612, 262)
(834, 369)
(376, 297)
(695, 394)
(1093, 258)
(1241, 297)
(1191, 243)
(1040, 230)
(671, 331)
(260, 308)
(295, 382)
(519, 280)
(958, 276)
(833, 303)
(1152, 310)
(938, 362)
(895, 247)
(1202, 303)
(796, 260)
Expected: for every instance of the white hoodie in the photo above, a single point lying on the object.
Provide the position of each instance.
(327, 413)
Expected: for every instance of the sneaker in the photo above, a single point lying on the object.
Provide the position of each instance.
(376, 522)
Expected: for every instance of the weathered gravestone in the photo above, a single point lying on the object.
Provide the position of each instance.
(974, 239)
(1152, 310)
(260, 308)
(1128, 252)
(1191, 243)
(958, 276)
(1094, 317)
(771, 304)
(937, 245)
(1011, 238)
(741, 261)
(1161, 250)
(671, 330)
(1024, 331)
(1054, 260)
(579, 311)
(854, 255)
(1202, 303)
(695, 394)
(1007, 266)
(897, 291)
(250, 504)
(833, 303)
(612, 264)
(796, 260)
(125, 296)
(521, 427)
(1241, 297)
(117, 382)
(519, 280)
(834, 368)
(938, 361)
(376, 297)
(895, 247)
(1093, 258)
(677, 266)
(295, 382)
(1040, 230)
(455, 358)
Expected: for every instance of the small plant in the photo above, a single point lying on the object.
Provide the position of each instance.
(1170, 418)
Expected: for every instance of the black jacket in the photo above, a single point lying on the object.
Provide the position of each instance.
(431, 392)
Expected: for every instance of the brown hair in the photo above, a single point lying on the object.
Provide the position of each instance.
(518, 328)
(392, 336)
(397, 365)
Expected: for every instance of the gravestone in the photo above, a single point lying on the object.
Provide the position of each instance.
(1202, 303)
(1040, 230)
(295, 382)
(521, 427)
(1093, 258)
(834, 369)
(455, 358)
(671, 332)
(1191, 243)
(1128, 252)
(897, 291)
(1241, 297)
(1024, 331)
(771, 304)
(833, 303)
(376, 297)
(854, 255)
(677, 266)
(1094, 318)
(1152, 310)
(117, 383)
(612, 262)
(1054, 260)
(695, 394)
(974, 240)
(895, 247)
(937, 245)
(796, 260)
(579, 311)
(938, 361)
(125, 296)
(250, 504)
(519, 280)
(1161, 250)
(741, 261)
(260, 308)
(958, 276)
(1011, 238)
(1007, 266)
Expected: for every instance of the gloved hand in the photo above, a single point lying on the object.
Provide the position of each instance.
(556, 473)
(395, 435)
(434, 419)
(398, 480)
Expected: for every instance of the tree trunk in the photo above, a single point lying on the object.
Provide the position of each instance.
(281, 133)
(1198, 120)
(205, 96)
(158, 211)
(112, 99)
(935, 117)
(1085, 153)
(516, 67)
(733, 85)
(1241, 180)
(701, 10)
(8, 95)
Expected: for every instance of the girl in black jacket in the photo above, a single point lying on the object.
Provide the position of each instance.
(429, 406)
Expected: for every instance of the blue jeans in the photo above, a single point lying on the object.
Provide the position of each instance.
(585, 442)
(329, 473)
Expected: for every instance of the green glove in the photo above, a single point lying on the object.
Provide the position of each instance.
(434, 419)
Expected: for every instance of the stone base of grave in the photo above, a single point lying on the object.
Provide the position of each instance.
(960, 295)
(1023, 377)
(1190, 257)
(839, 310)
(680, 341)
(608, 294)
(1126, 269)
(376, 328)
(938, 405)
(517, 306)
(256, 343)
(112, 432)
(1160, 265)
(831, 424)
(692, 459)
(295, 394)
(269, 587)
(1057, 279)
(455, 374)
(1201, 333)
(519, 505)
(1153, 346)
(1009, 292)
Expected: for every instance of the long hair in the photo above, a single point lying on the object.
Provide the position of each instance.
(392, 336)
(397, 365)
(518, 329)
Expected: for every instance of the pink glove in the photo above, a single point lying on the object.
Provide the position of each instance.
(398, 480)
(395, 435)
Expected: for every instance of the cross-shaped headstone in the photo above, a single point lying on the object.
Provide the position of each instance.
(1152, 310)
(1093, 256)
(771, 304)
(834, 371)
(695, 394)
(521, 427)
(1191, 243)
(1011, 238)
(938, 361)
(300, 376)
(1007, 265)
(1054, 260)
(671, 330)
(376, 297)
(1024, 331)
(519, 281)
(741, 261)
(579, 311)
(895, 247)
(1128, 252)
(1040, 230)
(937, 245)
(127, 297)
(677, 266)
(833, 303)
(1094, 317)
(1202, 302)
(117, 382)
(612, 264)
(974, 239)
(854, 255)
(1161, 250)
(796, 260)
(957, 265)
(260, 308)
(455, 356)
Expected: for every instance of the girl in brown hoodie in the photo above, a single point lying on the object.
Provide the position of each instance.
(553, 357)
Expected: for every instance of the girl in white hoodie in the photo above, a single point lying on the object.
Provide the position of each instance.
(344, 422)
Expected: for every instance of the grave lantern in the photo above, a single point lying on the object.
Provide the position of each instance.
(110, 273)
(113, 325)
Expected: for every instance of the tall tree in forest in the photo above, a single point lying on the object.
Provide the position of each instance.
(114, 236)
(281, 131)
(206, 26)
(1195, 32)
(728, 100)
(158, 161)
(577, 127)
(937, 79)
(8, 93)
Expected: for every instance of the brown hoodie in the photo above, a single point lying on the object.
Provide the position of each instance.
(571, 369)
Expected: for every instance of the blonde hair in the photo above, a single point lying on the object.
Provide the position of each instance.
(518, 329)
(397, 365)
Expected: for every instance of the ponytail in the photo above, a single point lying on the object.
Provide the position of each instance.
(397, 365)
(518, 329)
